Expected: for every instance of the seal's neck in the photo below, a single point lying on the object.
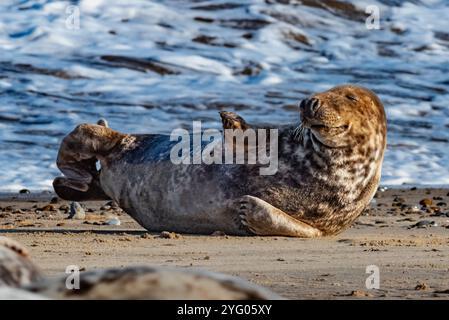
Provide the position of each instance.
(348, 169)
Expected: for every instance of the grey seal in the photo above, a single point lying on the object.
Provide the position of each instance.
(329, 168)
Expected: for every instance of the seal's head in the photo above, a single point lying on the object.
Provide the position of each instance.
(344, 117)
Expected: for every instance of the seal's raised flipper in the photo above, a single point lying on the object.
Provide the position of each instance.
(262, 218)
(232, 120)
(77, 158)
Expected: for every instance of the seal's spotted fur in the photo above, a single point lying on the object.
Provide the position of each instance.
(329, 169)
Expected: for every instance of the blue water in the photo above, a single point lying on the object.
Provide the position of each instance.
(152, 66)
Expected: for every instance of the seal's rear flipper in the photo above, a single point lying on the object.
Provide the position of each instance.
(263, 219)
(77, 159)
(64, 191)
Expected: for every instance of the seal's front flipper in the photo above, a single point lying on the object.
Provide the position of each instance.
(262, 218)
(232, 120)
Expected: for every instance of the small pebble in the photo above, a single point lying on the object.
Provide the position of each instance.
(48, 207)
(146, 236)
(359, 293)
(112, 204)
(76, 211)
(398, 199)
(113, 222)
(426, 202)
(425, 224)
(169, 235)
(105, 207)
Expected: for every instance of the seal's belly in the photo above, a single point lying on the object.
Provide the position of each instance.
(182, 198)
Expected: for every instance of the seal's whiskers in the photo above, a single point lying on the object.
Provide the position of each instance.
(298, 133)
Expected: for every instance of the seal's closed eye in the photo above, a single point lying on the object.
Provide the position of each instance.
(351, 97)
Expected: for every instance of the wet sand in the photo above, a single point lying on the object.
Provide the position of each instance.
(413, 260)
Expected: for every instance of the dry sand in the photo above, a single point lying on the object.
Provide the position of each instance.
(413, 261)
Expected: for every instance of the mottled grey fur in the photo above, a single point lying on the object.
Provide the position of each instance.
(320, 188)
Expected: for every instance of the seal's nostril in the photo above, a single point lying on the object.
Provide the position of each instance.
(314, 104)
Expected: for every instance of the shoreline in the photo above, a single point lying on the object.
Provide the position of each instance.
(44, 193)
(412, 259)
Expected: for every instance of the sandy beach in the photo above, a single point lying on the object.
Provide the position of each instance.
(408, 241)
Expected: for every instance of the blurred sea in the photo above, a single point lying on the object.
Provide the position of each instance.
(152, 66)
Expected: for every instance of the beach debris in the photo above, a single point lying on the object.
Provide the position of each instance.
(76, 211)
(424, 224)
(113, 222)
(399, 200)
(280, 259)
(64, 207)
(105, 207)
(48, 207)
(421, 286)
(112, 204)
(24, 191)
(426, 202)
(359, 293)
(169, 235)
